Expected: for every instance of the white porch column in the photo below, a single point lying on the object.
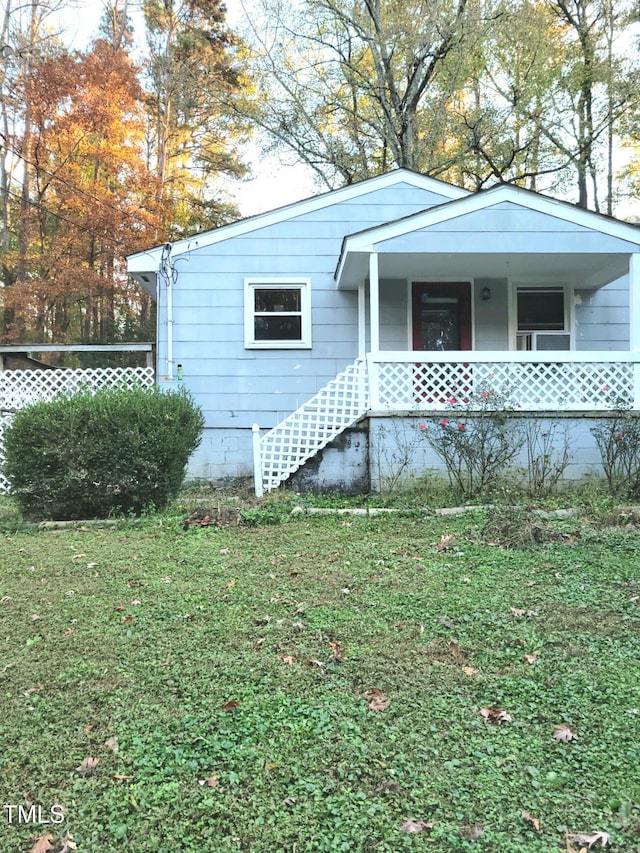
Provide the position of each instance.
(362, 320)
(374, 302)
(634, 303)
(634, 322)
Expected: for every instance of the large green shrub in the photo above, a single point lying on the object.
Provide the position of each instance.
(92, 455)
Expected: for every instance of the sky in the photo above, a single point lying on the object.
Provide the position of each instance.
(272, 183)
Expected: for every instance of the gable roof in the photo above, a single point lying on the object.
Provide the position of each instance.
(148, 261)
(364, 241)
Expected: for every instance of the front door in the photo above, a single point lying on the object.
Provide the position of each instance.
(442, 316)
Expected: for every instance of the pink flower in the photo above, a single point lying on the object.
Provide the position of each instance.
(452, 400)
(605, 388)
(618, 435)
(422, 427)
(484, 394)
(443, 422)
(460, 426)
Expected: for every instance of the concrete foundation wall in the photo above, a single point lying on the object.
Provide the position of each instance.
(399, 450)
(384, 451)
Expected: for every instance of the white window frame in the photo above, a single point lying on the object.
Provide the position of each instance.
(301, 284)
(542, 285)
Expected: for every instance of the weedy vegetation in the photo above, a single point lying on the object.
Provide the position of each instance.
(326, 683)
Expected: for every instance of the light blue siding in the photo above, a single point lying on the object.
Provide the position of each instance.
(235, 386)
(491, 317)
(528, 232)
(602, 318)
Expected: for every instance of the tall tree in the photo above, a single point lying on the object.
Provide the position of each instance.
(26, 36)
(192, 77)
(350, 85)
(91, 201)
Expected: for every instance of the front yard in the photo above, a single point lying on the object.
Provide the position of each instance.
(325, 684)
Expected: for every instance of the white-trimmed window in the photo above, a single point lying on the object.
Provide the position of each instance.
(277, 313)
(542, 318)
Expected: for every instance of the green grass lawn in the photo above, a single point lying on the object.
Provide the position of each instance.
(325, 684)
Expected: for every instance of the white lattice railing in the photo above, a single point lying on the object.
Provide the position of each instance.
(21, 388)
(556, 381)
(532, 381)
(286, 447)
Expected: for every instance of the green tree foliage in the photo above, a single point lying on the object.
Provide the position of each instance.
(534, 92)
(193, 78)
(350, 85)
(92, 455)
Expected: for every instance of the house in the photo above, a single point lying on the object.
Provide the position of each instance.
(305, 332)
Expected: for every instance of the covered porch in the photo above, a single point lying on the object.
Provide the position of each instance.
(503, 289)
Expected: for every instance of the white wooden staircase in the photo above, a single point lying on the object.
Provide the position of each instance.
(334, 408)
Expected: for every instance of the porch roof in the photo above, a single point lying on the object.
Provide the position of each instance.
(501, 232)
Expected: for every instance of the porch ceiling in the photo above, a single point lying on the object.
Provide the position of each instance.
(588, 271)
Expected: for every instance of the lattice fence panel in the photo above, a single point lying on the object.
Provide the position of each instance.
(337, 406)
(21, 388)
(529, 386)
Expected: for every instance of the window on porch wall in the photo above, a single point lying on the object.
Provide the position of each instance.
(541, 319)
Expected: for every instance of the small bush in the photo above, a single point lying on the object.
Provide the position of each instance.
(618, 440)
(477, 441)
(93, 455)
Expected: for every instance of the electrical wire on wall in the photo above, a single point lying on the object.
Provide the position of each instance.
(169, 274)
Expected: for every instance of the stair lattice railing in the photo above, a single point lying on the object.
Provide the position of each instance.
(285, 448)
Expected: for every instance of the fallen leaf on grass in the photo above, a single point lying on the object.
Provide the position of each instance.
(87, 765)
(288, 659)
(388, 788)
(314, 662)
(68, 844)
(469, 670)
(413, 827)
(230, 706)
(211, 782)
(532, 658)
(497, 716)
(587, 839)
(472, 831)
(535, 823)
(121, 777)
(112, 744)
(43, 843)
(336, 651)
(376, 700)
(446, 541)
(563, 733)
